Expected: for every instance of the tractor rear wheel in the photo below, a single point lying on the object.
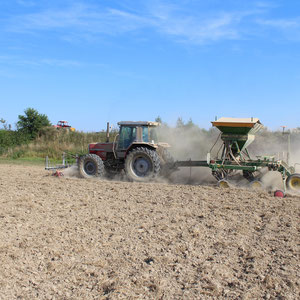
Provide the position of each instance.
(90, 165)
(142, 164)
(293, 182)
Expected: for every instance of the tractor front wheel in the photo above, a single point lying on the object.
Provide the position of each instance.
(90, 165)
(142, 164)
(293, 182)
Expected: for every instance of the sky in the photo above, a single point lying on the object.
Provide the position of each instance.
(93, 61)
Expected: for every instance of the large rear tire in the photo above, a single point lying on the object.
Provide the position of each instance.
(142, 164)
(293, 182)
(90, 166)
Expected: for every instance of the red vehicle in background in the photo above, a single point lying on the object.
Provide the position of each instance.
(64, 124)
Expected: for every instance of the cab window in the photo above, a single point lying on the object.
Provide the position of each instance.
(153, 135)
(149, 135)
(145, 134)
(127, 136)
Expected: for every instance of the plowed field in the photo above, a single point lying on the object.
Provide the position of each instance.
(71, 238)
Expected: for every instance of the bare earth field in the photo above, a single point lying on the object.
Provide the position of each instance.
(71, 238)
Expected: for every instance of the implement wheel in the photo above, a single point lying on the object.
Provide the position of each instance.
(293, 182)
(256, 185)
(279, 194)
(223, 184)
(142, 164)
(90, 165)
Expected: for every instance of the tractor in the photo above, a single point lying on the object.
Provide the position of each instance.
(135, 149)
(64, 124)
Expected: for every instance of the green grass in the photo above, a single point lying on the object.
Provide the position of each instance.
(23, 161)
(38, 161)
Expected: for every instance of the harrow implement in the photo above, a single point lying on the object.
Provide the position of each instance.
(66, 157)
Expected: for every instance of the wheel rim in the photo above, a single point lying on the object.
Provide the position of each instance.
(295, 183)
(90, 168)
(141, 166)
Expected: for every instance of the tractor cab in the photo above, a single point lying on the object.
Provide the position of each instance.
(136, 132)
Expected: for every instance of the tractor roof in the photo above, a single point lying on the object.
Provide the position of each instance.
(138, 123)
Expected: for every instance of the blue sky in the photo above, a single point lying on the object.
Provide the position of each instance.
(94, 61)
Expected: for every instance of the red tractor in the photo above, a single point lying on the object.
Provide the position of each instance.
(135, 150)
(64, 124)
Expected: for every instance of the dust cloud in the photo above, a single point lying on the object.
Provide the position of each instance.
(189, 143)
(276, 144)
(71, 171)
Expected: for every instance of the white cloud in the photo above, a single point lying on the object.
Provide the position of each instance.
(177, 22)
(203, 30)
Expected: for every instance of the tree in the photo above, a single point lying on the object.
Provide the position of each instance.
(158, 119)
(32, 122)
(190, 123)
(4, 123)
(179, 123)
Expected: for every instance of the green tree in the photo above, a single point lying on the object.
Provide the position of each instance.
(32, 122)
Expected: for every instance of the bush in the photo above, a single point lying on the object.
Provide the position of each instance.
(32, 122)
(11, 139)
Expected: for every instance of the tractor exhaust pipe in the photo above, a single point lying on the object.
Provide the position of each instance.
(107, 133)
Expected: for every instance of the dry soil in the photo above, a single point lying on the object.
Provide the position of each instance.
(71, 238)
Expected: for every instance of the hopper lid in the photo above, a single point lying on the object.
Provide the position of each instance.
(236, 122)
